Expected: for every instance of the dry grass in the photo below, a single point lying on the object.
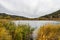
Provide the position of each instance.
(49, 32)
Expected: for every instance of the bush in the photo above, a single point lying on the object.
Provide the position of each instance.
(49, 32)
(23, 32)
(4, 34)
(20, 32)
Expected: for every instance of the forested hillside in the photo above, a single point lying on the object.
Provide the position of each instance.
(13, 17)
(52, 16)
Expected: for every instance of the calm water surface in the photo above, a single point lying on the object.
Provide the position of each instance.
(36, 24)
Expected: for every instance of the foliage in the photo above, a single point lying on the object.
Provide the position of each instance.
(17, 32)
(4, 34)
(49, 32)
(52, 16)
(23, 32)
(11, 17)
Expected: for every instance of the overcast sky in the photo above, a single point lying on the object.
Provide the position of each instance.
(29, 8)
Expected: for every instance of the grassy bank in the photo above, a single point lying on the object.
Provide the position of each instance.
(49, 32)
(11, 31)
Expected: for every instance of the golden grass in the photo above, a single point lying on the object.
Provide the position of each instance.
(49, 32)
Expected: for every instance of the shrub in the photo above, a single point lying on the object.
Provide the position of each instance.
(23, 32)
(4, 34)
(49, 32)
(20, 32)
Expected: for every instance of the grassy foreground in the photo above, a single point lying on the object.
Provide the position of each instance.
(11, 31)
(49, 32)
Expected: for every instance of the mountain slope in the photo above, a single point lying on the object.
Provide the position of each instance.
(52, 16)
(14, 17)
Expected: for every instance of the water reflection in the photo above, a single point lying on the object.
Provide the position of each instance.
(36, 23)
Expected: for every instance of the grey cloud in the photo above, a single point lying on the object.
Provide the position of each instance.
(30, 8)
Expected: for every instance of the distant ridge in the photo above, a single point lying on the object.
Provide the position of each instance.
(52, 16)
(14, 17)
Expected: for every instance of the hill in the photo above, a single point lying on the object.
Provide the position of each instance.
(12, 17)
(52, 16)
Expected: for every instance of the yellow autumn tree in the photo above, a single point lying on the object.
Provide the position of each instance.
(49, 32)
(4, 34)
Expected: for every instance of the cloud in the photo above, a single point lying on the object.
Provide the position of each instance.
(31, 8)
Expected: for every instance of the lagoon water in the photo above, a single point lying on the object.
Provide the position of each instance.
(35, 23)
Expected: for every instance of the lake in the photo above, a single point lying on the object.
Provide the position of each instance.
(35, 23)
